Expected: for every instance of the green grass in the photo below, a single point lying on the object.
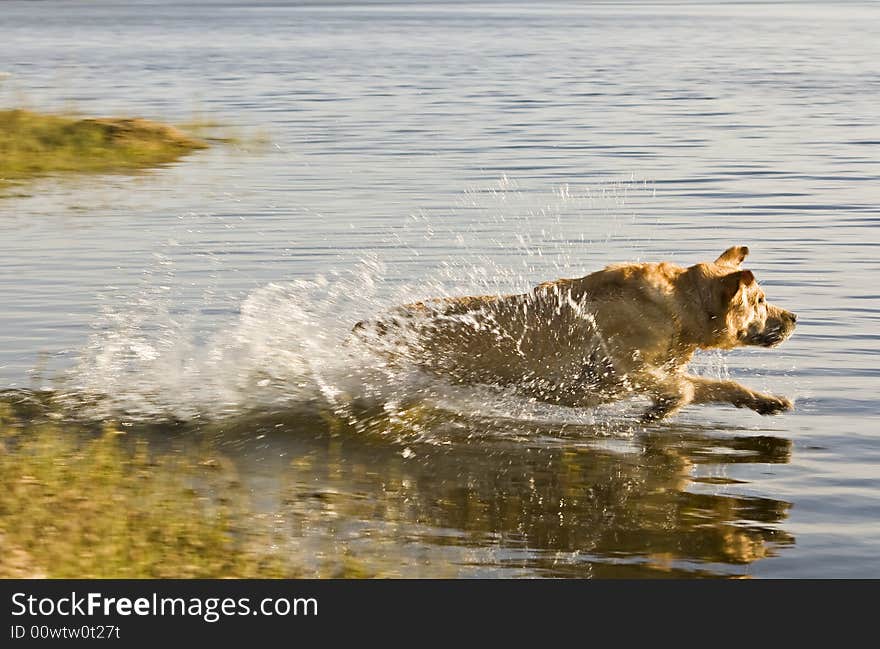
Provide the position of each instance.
(34, 144)
(79, 505)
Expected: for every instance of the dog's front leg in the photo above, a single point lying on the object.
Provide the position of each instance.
(714, 391)
(670, 393)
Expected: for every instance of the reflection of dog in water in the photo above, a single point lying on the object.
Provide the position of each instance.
(628, 329)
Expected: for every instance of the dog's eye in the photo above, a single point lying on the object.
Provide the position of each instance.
(761, 300)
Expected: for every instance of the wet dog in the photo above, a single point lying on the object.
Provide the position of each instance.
(629, 329)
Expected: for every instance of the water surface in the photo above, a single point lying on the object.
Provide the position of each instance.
(424, 149)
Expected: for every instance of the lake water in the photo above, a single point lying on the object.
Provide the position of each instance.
(392, 152)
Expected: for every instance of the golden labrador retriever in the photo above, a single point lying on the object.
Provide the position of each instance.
(629, 329)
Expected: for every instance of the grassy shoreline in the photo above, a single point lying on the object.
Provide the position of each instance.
(76, 503)
(35, 144)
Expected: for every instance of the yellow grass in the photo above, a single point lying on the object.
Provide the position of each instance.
(34, 144)
(74, 505)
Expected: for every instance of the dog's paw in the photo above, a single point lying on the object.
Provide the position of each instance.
(768, 404)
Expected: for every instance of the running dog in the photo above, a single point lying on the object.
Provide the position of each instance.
(629, 329)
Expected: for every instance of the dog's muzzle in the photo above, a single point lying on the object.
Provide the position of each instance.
(776, 331)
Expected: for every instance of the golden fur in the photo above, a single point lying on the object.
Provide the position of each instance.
(628, 329)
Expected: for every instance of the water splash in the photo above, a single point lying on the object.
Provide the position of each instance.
(289, 345)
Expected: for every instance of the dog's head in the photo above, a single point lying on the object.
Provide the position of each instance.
(738, 307)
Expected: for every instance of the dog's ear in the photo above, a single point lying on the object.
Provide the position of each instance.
(730, 284)
(733, 256)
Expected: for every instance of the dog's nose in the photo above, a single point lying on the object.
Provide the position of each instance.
(793, 316)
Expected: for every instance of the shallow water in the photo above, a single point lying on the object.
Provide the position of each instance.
(421, 150)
